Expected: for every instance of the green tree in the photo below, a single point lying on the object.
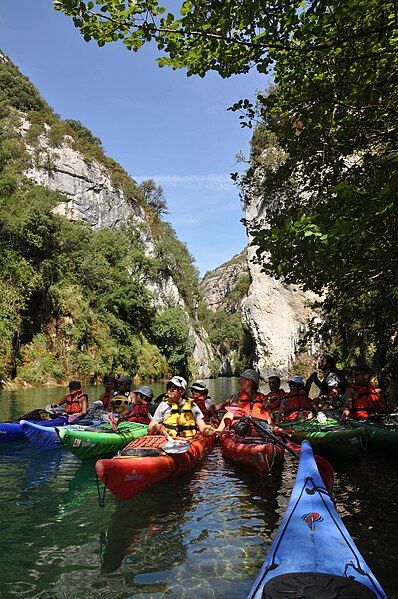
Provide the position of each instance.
(171, 333)
(325, 159)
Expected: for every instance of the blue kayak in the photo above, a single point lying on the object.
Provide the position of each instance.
(12, 431)
(46, 438)
(313, 555)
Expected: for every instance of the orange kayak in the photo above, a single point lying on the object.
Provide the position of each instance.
(143, 463)
(258, 454)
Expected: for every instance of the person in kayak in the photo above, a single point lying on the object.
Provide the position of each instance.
(121, 396)
(276, 394)
(76, 402)
(297, 403)
(177, 415)
(109, 388)
(139, 410)
(200, 395)
(248, 402)
(333, 384)
(363, 400)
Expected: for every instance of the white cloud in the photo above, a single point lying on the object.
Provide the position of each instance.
(213, 181)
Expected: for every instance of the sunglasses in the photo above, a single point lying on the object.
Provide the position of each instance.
(173, 388)
(120, 402)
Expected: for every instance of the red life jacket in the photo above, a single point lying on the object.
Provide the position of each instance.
(366, 401)
(139, 413)
(275, 398)
(253, 407)
(105, 398)
(200, 402)
(73, 404)
(296, 402)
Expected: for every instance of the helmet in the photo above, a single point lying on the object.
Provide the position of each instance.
(296, 379)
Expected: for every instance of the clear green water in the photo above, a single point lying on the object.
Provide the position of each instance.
(202, 535)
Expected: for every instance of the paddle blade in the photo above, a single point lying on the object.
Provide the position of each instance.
(235, 411)
(176, 447)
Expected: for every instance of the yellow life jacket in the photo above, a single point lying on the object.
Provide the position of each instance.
(180, 422)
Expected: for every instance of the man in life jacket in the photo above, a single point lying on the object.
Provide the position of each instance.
(363, 400)
(276, 394)
(177, 415)
(250, 403)
(139, 410)
(200, 395)
(76, 402)
(296, 404)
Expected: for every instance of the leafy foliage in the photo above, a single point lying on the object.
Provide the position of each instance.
(171, 332)
(325, 156)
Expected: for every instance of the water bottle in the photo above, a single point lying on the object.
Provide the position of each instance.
(321, 417)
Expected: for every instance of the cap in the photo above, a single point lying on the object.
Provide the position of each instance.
(124, 379)
(74, 384)
(178, 381)
(251, 375)
(144, 390)
(199, 385)
(296, 379)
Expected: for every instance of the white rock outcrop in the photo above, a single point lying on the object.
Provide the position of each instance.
(93, 199)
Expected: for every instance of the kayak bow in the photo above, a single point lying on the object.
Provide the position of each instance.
(313, 555)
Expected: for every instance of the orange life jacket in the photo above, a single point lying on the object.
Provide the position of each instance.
(296, 402)
(253, 406)
(139, 413)
(275, 398)
(366, 401)
(73, 404)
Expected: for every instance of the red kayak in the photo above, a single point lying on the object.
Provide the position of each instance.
(261, 455)
(143, 463)
(254, 452)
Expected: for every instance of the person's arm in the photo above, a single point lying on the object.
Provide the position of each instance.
(59, 403)
(155, 426)
(203, 427)
(349, 396)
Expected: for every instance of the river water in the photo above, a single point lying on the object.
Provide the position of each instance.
(202, 535)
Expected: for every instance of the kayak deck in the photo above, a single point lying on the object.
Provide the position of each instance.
(256, 453)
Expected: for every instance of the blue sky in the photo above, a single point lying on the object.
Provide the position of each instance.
(156, 122)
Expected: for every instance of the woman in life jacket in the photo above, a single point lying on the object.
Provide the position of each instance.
(296, 404)
(275, 395)
(139, 410)
(363, 400)
(250, 402)
(177, 415)
(200, 395)
(76, 402)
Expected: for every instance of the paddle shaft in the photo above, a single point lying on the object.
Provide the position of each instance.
(271, 435)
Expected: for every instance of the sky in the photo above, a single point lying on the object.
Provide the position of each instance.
(157, 123)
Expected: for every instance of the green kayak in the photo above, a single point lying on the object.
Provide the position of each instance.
(330, 437)
(102, 441)
(382, 432)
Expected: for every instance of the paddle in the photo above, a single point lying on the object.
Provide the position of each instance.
(175, 445)
(265, 430)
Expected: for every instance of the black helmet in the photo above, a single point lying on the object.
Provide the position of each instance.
(241, 428)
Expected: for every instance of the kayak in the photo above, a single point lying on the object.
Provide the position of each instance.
(329, 437)
(143, 463)
(263, 455)
(46, 438)
(382, 431)
(100, 442)
(313, 555)
(257, 453)
(13, 431)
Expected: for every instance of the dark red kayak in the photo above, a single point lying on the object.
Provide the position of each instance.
(262, 455)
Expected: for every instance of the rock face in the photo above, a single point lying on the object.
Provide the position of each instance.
(93, 199)
(218, 284)
(277, 315)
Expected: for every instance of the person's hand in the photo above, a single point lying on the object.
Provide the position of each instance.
(208, 431)
(288, 431)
